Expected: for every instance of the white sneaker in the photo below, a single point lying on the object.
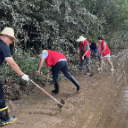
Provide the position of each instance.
(100, 69)
(112, 69)
(88, 73)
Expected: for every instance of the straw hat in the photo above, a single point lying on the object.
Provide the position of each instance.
(9, 32)
(81, 38)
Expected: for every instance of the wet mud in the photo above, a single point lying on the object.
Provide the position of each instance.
(102, 101)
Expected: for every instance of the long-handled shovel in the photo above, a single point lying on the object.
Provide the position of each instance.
(86, 65)
(60, 105)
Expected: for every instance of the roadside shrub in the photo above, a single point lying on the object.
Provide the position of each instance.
(28, 64)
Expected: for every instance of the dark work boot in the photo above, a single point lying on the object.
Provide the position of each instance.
(55, 91)
(73, 80)
(56, 85)
(5, 119)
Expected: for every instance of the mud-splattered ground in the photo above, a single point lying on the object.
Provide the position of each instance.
(102, 102)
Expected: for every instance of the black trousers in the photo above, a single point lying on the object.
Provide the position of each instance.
(2, 99)
(62, 66)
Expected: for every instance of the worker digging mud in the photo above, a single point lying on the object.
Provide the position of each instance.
(6, 38)
(84, 53)
(94, 49)
(58, 62)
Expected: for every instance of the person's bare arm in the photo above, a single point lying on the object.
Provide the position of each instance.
(87, 49)
(40, 66)
(78, 50)
(50, 71)
(14, 66)
(104, 48)
(85, 53)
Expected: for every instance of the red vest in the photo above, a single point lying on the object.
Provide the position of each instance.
(107, 50)
(85, 42)
(53, 57)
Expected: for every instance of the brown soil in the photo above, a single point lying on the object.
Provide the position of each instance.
(101, 102)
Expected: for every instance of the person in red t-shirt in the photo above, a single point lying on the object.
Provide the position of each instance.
(58, 62)
(104, 52)
(85, 52)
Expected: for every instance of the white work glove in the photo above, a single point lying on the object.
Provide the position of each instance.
(25, 77)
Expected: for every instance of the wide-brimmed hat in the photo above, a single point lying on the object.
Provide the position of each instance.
(81, 38)
(9, 32)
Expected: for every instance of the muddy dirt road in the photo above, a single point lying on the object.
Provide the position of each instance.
(101, 103)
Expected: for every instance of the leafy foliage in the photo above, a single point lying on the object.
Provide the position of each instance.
(27, 64)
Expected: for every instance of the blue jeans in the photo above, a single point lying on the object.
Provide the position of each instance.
(2, 99)
(96, 51)
(87, 60)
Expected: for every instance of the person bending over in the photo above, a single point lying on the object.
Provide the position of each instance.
(58, 62)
